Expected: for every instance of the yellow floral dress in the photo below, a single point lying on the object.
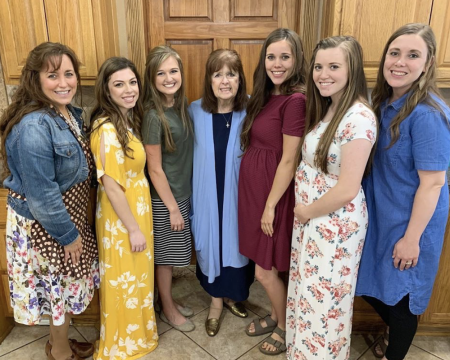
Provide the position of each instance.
(128, 324)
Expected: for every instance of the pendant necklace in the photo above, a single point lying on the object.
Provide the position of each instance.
(227, 120)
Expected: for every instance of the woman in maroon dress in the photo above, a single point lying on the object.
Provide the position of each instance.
(271, 133)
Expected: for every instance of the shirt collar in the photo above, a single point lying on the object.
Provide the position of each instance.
(397, 104)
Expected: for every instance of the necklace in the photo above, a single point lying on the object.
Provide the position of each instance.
(227, 119)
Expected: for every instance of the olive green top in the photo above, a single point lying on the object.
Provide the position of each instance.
(176, 165)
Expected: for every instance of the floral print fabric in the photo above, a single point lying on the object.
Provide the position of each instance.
(128, 324)
(326, 251)
(36, 286)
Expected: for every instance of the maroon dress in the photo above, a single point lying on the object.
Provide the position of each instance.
(283, 114)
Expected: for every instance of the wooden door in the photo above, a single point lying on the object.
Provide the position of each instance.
(88, 28)
(372, 23)
(22, 27)
(441, 26)
(196, 27)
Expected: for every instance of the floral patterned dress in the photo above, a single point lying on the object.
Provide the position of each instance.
(326, 251)
(128, 324)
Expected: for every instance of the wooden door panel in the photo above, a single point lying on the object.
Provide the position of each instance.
(194, 54)
(441, 27)
(72, 23)
(196, 27)
(249, 51)
(253, 9)
(372, 23)
(193, 9)
(23, 27)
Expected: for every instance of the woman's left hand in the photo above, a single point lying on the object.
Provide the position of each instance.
(267, 221)
(299, 213)
(406, 253)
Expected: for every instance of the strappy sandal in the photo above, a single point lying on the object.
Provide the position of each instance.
(380, 344)
(259, 329)
(279, 346)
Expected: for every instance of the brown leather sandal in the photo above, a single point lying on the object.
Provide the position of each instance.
(81, 349)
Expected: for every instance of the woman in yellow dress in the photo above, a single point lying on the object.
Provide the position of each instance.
(124, 222)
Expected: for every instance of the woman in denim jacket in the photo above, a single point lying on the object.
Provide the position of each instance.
(51, 250)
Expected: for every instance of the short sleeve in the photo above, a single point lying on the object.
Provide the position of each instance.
(430, 133)
(114, 154)
(151, 129)
(358, 123)
(293, 115)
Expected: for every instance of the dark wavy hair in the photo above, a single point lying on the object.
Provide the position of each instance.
(216, 61)
(29, 96)
(105, 107)
(263, 86)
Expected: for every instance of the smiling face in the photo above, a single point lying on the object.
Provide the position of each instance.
(123, 89)
(168, 79)
(59, 85)
(279, 62)
(331, 72)
(225, 84)
(406, 60)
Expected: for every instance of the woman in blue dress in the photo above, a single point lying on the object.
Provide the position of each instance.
(406, 192)
(223, 272)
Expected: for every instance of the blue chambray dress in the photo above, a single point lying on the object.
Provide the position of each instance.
(424, 144)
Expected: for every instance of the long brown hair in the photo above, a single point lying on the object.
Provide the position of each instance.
(317, 105)
(154, 99)
(216, 61)
(263, 86)
(420, 89)
(106, 107)
(29, 96)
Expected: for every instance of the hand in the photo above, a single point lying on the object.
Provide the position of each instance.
(299, 213)
(137, 241)
(176, 220)
(267, 221)
(73, 251)
(406, 253)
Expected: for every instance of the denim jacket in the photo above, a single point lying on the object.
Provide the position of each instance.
(45, 160)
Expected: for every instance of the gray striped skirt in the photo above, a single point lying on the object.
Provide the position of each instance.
(171, 247)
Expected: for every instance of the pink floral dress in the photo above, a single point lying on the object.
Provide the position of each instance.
(326, 251)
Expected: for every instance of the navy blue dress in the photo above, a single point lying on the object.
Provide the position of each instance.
(233, 283)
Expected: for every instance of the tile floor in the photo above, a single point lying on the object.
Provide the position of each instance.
(231, 342)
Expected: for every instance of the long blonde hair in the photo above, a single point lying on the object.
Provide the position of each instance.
(154, 99)
(420, 89)
(317, 105)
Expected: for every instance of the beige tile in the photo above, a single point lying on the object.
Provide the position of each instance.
(187, 291)
(174, 345)
(437, 345)
(90, 333)
(414, 353)
(255, 354)
(358, 346)
(258, 301)
(192, 268)
(22, 335)
(231, 341)
(36, 349)
(179, 272)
